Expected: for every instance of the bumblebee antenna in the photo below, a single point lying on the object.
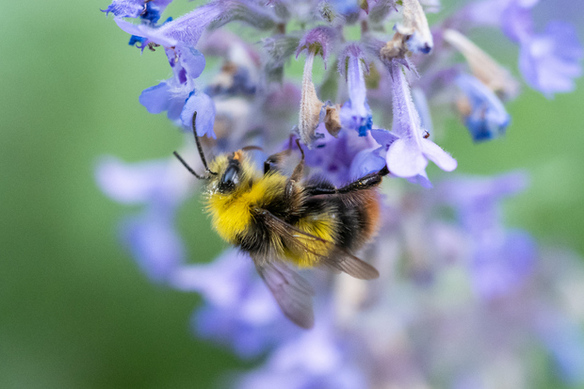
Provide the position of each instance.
(190, 169)
(200, 148)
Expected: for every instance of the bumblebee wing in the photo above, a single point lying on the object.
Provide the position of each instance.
(346, 262)
(292, 292)
(338, 258)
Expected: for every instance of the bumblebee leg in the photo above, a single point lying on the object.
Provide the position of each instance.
(272, 162)
(366, 182)
(296, 175)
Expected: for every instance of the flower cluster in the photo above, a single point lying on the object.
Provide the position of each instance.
(460, 297)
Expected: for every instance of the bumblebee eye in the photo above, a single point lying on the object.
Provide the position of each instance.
(230, 179)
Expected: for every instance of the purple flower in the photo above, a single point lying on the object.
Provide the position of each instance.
(500, 259)
(184, 31)
(355, 113)
(178, 96)
(154, 242)
(516, 21)
(320, 40)
(314, 359)
(484, 114)
(151, 237)
(202, 104)
(336, 158)
(565, 341)
(239, 310)
(551, 61)
(136, 8)
(501, 262)
(408, 155)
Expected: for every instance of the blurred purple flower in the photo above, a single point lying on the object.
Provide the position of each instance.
(551, 61)
(151, 237)
(486, 117)
(500, 259)
(154, 242)
(565, 341)
(314, 359)
(239, 310)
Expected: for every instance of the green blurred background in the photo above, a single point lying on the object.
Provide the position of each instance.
(75, 311)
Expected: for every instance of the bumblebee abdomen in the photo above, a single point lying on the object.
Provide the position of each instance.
(359, 215)
(321, 224)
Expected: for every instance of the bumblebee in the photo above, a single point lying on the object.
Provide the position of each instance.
(284, 220)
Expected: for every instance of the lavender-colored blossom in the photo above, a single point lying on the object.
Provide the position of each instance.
(151, 237)
(484, 114)
(239, 311)
(566, 343)
(355, 113)
(315, 359)
(319, 40)
(186, 30)
(135, 8)
(335, 158)
(202, 104)
(408, 155)
(551, 61)
(178, 96)
(516, 20)
(154, 242)
(500, 260)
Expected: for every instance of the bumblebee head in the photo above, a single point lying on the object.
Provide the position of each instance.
(227, 172)
(232, 173)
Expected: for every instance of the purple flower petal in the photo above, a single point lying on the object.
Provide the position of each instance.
(319, 40)
(498, 268)
(191, 60)
(440, 157)
(156, 99)
(125, 8)
(366, 162)
(151, 34)
(129, 183)
(154, 243)
(184, 31)
(239, 310)
(205, 107)
(408, 156)
(405, 159)
(355, 114)
(517, 22)
(551, 61)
